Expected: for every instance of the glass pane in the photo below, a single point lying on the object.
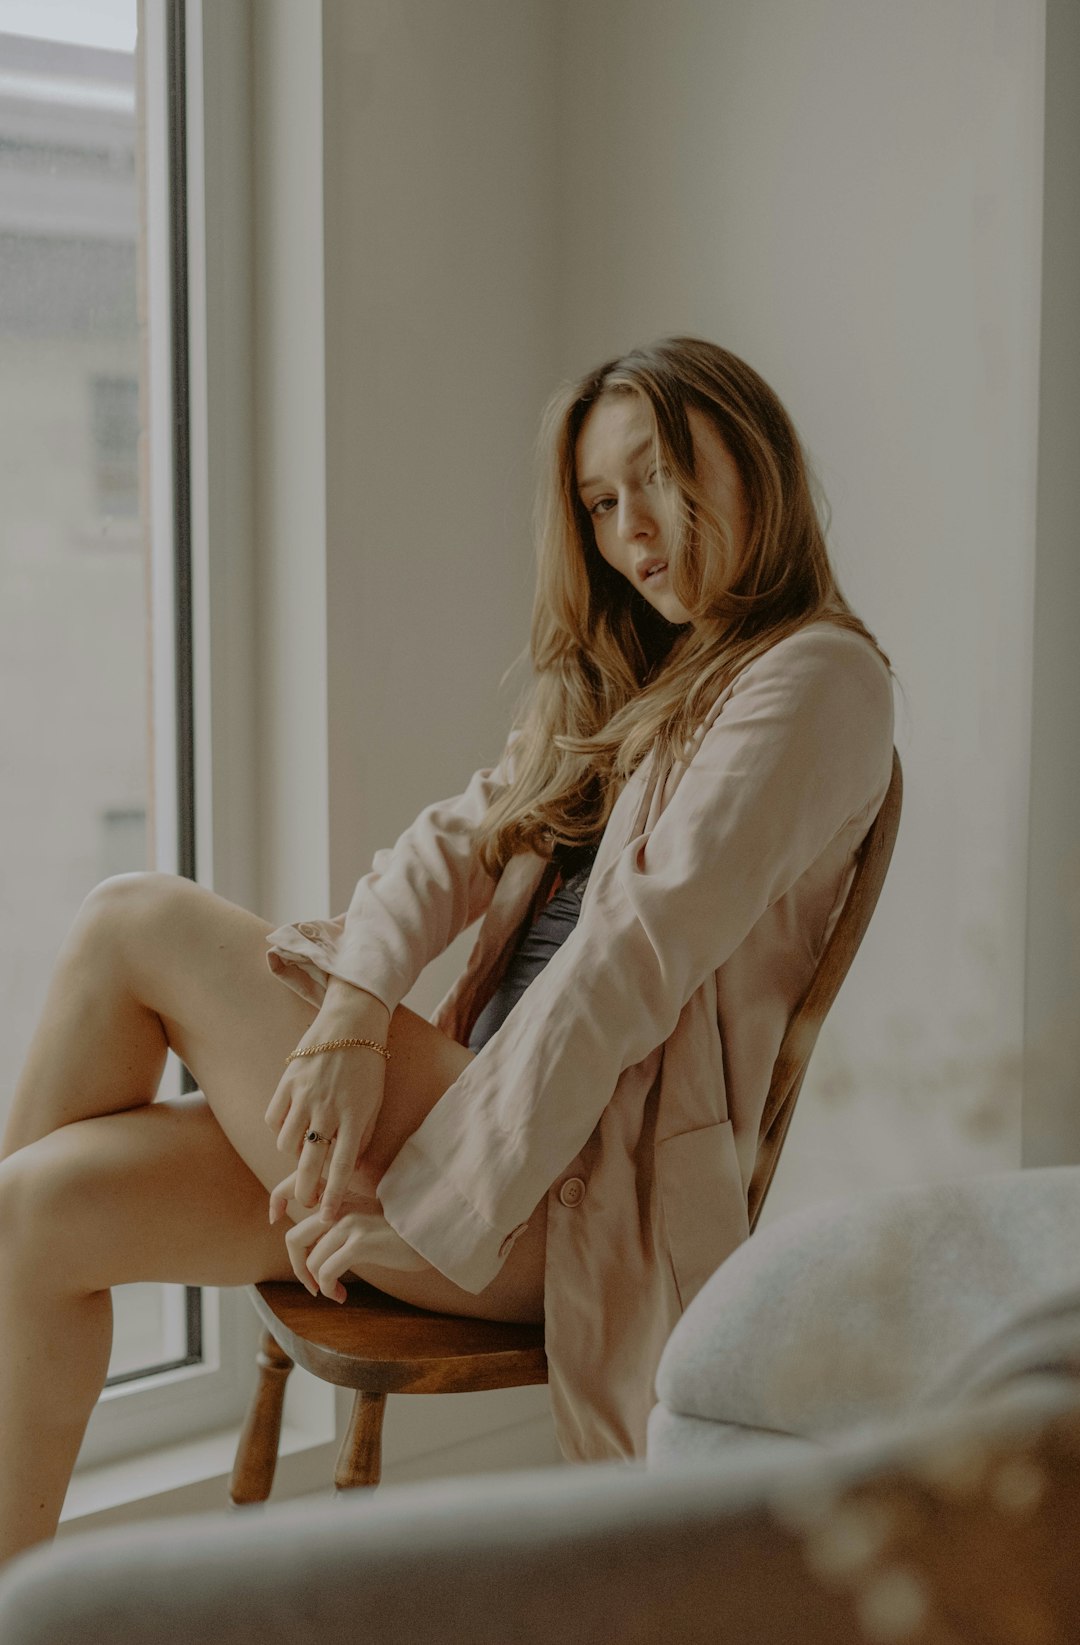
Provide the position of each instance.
(150, 1328)
(74, 695)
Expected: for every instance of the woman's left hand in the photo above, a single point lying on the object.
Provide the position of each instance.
(321, 1252)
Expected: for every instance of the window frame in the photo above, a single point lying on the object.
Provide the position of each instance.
(194, 796)
(166, 1444)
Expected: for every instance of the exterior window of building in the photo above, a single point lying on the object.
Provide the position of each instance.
(114, 420)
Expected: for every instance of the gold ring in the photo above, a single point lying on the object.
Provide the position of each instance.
(315, 1136)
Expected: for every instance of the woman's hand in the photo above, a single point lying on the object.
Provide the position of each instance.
(320, 1254)
(337, 1094)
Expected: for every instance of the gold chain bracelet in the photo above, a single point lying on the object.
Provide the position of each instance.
(338, 1045)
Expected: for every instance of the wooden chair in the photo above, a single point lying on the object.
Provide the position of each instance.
(377, 1346)
(799, 1040)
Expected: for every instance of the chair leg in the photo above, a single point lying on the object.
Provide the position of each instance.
(360, 1458)
(256, 1454)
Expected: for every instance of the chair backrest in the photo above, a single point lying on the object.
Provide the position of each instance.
(802, 1031)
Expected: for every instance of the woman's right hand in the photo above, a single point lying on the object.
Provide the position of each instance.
(321, 1253)
(335, 1093)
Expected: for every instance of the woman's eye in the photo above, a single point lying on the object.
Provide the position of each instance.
(602, 505)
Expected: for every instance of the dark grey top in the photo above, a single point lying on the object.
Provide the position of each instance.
(536, 945)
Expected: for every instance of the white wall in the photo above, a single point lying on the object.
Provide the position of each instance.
(847, 193)
(1052, 1037)
(440, 281)
(289, 460)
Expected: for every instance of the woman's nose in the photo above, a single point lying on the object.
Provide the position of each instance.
(635, 519)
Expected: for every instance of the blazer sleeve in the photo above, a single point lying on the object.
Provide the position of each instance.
(800, 749)
(418, 896)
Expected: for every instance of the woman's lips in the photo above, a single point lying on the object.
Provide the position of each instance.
(656, 574)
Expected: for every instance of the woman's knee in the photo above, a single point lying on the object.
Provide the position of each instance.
(38, 1208)
(121, 910)
(126, 900)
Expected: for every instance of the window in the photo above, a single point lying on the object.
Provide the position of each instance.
(114, 419)
(92, 540)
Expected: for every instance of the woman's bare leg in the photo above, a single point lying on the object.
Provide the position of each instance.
(151, 961)
(157, 1193)
(103, 1186)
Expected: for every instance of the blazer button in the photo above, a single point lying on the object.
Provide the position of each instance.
(508, 1243)
(572, 1191)
(311, 932)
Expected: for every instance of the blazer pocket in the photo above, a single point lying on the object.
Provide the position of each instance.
(704, 1203)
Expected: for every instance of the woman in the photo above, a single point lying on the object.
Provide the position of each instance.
(659, 857)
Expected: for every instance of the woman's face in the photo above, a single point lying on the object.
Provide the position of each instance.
(633, 509)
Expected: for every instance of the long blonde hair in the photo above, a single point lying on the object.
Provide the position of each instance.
(612, 678)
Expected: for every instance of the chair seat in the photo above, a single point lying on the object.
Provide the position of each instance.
(375, 1343)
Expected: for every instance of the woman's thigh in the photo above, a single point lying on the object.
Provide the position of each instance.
(155, 1193)
(199, 962)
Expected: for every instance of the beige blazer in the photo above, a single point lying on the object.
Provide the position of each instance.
(628, 1082)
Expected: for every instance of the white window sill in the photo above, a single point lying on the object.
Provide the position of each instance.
(425, 1437)
(193, 1475)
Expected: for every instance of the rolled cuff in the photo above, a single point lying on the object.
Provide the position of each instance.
(305, 957)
